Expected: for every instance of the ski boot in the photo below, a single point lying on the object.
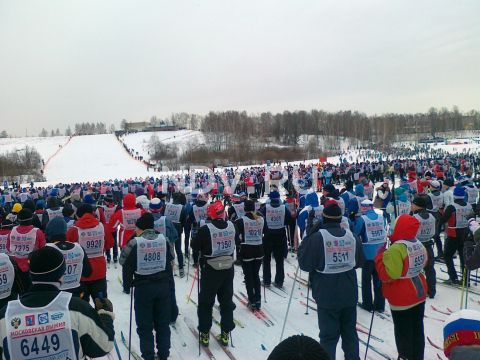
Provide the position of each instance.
(252, 306)
(181, 272)
(223, 338)
(204, 339)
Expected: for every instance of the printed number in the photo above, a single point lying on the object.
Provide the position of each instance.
(3, 279)
(152, 256)
(91, 244)
(376, 233)
(275, 218)
(254, 232)
(224, 245)
(49, 342)
(22, 248)
(71, 269)
(339, 257)
(418, 260)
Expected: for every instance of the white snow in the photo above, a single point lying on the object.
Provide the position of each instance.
(46, 146)
(181, 138)
(93, 158)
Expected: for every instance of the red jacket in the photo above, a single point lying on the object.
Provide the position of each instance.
(99, 264)
(40, 242)
(129, 203)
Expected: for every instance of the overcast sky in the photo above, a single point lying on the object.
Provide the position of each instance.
(66, 61)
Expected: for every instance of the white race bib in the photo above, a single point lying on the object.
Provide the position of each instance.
(253, 230)
(339, 252)
(417, 258)
(275, 216)
(92, 240)
(7, 276)
(223, 240)
(151, 255)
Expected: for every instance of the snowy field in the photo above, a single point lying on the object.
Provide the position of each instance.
(46, 146)
(140, 141)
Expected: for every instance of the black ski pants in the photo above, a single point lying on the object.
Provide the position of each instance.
(409, 334)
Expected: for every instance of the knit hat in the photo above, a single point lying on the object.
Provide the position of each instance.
(274, 195)
(329, 188)
(68, 210)
(52, 202)
(155, 204)
(29, 204)
(249, 205)
(108, 197)
(299, 347)
(17, 207)
(6, 224)
(56, 227)
(459, 192)
(83, 209)
(332, 212)
(366, 205)
(406, 228)
(435, 184)
(25, 217)
(88, 199)
(461, 329)
(216, 210)
(349, 185)
(145, 221)
(40, 204)
(448, 182)
(47, 265)
(420, 201)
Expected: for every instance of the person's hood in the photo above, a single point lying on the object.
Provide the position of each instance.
(87, 221)
(129, 202)
(406, 228)
(311, 200)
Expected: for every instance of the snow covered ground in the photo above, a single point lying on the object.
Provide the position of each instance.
(46, 146)
(181, 138)
(93, 158)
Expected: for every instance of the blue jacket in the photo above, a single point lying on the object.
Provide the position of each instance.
(311, 201)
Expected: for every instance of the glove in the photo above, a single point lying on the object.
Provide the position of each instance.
(473, 225)
(104, 306)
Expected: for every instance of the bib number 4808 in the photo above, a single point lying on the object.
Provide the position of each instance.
(48, 343)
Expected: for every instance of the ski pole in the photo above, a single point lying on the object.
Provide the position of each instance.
(188, 263)
(289, 302)
(308, 293)
(130, 327)
(195, 276)
(370, 329)
(463, 287)
(466, 290)
(198, 297)
(117, 350)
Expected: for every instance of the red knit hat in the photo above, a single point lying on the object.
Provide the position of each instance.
(216, 210)
(406, 228)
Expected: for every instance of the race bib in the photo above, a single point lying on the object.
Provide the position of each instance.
(151, 255)
(223, 240)
(130, 217)
(173, 212)
(275, 216)
(339, 252)
(92, 240)
(7, 276)
(21, 245)
(417, 258)
(253, 230)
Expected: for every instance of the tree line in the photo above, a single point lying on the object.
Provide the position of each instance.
(80, 129)
(25, 161)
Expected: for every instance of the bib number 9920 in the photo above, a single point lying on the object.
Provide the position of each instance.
(43, 345)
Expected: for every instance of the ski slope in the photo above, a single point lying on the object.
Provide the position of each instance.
(92, 158)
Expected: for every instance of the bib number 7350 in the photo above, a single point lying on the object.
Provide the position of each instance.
(49, 343)
(222, 245)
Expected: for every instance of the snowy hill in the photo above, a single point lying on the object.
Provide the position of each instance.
(140, 141)
(46, 146)
(93, 158)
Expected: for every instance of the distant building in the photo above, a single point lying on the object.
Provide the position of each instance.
(162, 128)
(136, 126)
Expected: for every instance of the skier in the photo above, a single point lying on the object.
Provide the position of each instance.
(215, 242)
(435, 207)
(248, 238)
(425, 233)
(333, 267)
(77, 264)
(147, 264)
(176, 213)
(92, 237)
(197, 217)
(53, 210)
(5, 230)
(10, 284)
(109, 208)
(24, 239)
(456, 217)
(74, 332)
(276, 218)
(403, 284)
(370, 228)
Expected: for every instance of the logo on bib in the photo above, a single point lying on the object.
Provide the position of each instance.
(30, 320)
(16, 322)
(56, 316)
(142, 245)
(43, 318)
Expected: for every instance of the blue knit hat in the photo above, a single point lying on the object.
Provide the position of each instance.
(274, 195)
(55, 227)
(88, 199)
(155, 204)
(459, 192)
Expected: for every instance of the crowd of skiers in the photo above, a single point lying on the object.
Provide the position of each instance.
(56, 246)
